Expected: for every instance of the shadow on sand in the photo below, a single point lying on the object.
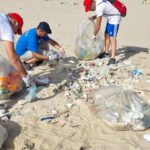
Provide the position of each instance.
(13, 130)
(130, 51)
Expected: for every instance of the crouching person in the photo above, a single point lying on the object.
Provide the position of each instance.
(31, 45)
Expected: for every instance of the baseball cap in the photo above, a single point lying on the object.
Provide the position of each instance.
(19, 20)
(87, 4)
(44, 26)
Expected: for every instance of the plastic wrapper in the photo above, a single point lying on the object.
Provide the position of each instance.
(10, 80)
(122, 109)
(85, 47)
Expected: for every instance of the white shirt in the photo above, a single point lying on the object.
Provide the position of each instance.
(6, 31)
(106, 9)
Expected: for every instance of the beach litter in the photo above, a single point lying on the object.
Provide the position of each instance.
(147, 137)
(31, 96)
(136, 72)
(4, 114)
(47, 118)
(122, 109)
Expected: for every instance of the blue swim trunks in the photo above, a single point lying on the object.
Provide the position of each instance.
(112, 29)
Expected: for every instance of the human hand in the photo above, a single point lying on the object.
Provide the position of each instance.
(56, 57)
(93, 37)
(92, 18)
(62, 50)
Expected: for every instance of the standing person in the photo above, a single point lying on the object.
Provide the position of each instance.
(113, 16)
(11, 24)
(31, 44)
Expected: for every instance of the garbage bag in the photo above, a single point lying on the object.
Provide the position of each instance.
(121, 109)
(85, 47)
(10, 80)
(3, 135)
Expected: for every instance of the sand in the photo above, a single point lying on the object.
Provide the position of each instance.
(79, 129)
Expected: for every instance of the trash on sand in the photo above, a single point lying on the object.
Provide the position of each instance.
(122, 109)
(43, 81)
(59, 86)
(54, 112)
(69, 105)
(136, 72)
(4, 114)
(47, 118)
(147, 137)
(32, 93)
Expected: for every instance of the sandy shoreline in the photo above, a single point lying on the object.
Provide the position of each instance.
(79, 129)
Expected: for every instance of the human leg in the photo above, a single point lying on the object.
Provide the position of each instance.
(105, 52)
(112, 30)
(113, 42)
(107, 43)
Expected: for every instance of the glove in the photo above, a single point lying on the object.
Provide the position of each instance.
(28, 80)
(56, 57)
(94, 37)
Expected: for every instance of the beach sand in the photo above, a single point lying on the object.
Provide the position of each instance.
(78, 129)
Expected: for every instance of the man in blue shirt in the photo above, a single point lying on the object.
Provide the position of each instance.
(30, 44)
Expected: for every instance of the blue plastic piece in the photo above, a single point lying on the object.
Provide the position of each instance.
(136, 72)
(32, 93)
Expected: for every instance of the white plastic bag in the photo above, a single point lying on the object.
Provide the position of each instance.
(85, 47)
(122, 109)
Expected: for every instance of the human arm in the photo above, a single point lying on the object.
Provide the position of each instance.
(14, 59)
(39, 56)
(56, 45)
(97, 25)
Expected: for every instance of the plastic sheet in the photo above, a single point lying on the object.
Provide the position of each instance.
(85, 47)
(122, 109)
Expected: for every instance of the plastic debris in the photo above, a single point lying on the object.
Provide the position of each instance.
(69, 105)
(32, 93)
(4, 114)
(122, 109)
(54, 112)
(147, 137)
(42, 81)
(135, 72)
(47, 118)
